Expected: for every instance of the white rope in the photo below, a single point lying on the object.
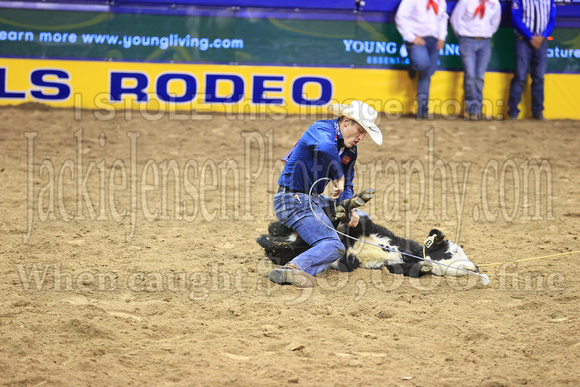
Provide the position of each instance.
(484, 277)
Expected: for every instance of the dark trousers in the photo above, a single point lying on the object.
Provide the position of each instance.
(528, 60)
(424, 60)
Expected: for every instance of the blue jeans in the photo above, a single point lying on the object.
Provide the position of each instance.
(475, 56)
(533, 61)
(424, 61)
(293, 210)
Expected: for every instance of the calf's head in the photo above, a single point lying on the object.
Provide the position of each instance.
(438, 249)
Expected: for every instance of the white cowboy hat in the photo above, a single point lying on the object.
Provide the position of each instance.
(361, 113)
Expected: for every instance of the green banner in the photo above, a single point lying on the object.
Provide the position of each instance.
(223, 39)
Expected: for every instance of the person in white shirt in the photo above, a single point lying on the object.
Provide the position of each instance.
(423, 26)
(474, 23)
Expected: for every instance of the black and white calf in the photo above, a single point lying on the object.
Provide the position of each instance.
(282, 244)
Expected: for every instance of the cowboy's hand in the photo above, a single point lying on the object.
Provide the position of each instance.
(440, 44)
(419, 41)
(336, 188)
(354, 218)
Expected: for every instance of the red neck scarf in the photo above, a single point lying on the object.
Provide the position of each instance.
(480, 9)
(433, 4)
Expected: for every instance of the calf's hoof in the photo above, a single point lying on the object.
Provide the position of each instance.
(427, 267)
(367, 194)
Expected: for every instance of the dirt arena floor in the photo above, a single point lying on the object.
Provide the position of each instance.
(129, 256)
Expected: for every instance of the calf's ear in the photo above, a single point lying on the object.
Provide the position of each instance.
(440, 237)
(436, 237)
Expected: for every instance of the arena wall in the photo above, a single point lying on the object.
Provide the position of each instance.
(233, 60)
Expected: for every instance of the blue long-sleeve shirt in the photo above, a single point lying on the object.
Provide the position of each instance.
(320, 152)
(533, 17)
